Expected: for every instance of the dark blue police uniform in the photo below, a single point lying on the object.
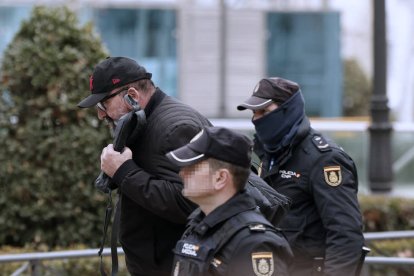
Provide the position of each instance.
(234, 239)
(324, 224)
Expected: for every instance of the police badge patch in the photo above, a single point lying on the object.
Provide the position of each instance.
(263, 264)
(333, 175)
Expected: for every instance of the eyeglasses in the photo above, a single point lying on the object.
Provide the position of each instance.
(101, 105)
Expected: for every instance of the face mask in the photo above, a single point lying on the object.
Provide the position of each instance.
(278, 128)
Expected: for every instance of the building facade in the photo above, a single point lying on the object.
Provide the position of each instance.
(211, 53)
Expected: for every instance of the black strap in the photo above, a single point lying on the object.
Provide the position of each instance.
(132, 122)
(114, 236)
(108, 214)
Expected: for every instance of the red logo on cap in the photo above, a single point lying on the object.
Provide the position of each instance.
(91, 83)
(115, 81)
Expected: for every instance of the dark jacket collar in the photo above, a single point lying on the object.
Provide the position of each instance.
(303, 131)
(240, 202)
(155, 100)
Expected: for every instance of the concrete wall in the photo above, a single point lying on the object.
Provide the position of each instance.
(201, 53)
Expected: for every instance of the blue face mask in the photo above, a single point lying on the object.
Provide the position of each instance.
(278, 128)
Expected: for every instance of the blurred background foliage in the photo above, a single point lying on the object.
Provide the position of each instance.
(357, 90)
(385, 213)
(49, 148)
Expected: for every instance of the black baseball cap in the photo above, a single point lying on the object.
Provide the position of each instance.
(112, 73)
(269, 90)
(214, 142)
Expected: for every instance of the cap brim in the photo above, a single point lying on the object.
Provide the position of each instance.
(254, 103)
(92, 100)
(185, 156)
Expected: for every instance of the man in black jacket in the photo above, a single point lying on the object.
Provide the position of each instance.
(324, 224)
(153, 210)
(226, 235)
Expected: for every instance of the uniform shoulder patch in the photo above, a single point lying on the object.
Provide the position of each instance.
(189, 249)
(263, 264)
(320, 143)
(333, 175)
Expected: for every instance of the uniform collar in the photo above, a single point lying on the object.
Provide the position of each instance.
(240, 202)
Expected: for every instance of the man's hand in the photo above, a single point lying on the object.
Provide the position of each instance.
(111, 160)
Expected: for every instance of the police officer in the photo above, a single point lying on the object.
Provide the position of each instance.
(324, 224)
(226, 235)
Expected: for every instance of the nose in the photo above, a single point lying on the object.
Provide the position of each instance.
(256, 116)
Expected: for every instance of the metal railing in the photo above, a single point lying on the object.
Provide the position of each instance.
(404, 263)
(34, 259)
(67, 254)
(388, 235)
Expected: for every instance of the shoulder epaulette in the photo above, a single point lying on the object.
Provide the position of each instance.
(320, 143)
(257, 227)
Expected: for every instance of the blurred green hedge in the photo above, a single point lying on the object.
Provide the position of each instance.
(49, 148)
(383, 213)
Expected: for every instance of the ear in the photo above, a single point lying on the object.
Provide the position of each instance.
(221, 179)
(133, 98)
(134, 94)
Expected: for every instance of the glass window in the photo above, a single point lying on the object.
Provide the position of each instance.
(146, 35)
(10, 19)
(305, 47)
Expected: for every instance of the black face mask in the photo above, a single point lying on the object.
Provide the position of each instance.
(278, 128)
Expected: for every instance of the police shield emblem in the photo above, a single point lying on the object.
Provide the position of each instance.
(333, 175)
(263, 264)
